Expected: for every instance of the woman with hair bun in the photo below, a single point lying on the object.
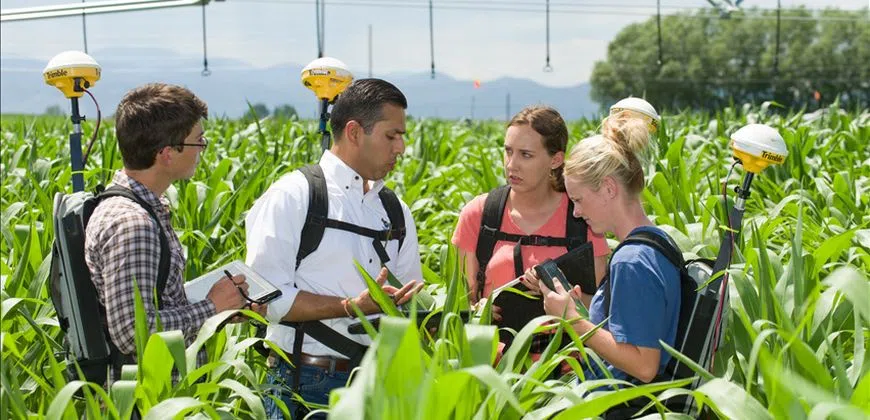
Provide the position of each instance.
(604, 179)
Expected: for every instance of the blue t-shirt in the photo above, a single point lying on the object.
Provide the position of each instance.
(644, 301)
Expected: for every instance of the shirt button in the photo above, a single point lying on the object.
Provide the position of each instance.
(370, 260)
(347, 187)
(356, 177)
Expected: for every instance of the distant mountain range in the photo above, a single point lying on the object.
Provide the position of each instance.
(232, 82)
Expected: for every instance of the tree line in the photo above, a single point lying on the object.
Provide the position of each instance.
(709, 60)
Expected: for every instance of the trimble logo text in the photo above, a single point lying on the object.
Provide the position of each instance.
(56, 73)
(773, 157)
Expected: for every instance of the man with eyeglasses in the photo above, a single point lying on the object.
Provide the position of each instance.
(160, 137)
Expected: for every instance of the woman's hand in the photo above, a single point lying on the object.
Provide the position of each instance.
(560, 302)
(532, 282)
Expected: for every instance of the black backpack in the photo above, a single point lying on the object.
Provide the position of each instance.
(73, 293)
(695, 327)
(518, 310)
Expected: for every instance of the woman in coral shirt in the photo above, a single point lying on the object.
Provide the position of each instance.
(534, 153)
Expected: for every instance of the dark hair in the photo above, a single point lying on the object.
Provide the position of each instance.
(152, 117)
(363, 101)
(549, 124)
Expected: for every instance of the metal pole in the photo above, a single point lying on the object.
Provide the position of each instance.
(507, 107)
(370, 50)
(84, 30)
(75, 147)
(659, 24)
(547, 67)
(319, 12)
(431, 42)
(205, 71)
(324, 118)
(776, 51)
(735, 219)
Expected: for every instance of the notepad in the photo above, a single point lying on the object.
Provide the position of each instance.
(259, 289)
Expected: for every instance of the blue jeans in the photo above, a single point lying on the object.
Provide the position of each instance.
(315, 384)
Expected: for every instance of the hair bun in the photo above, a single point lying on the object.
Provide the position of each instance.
(628, 132)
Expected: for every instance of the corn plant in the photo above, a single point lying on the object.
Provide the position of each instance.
(795, 340)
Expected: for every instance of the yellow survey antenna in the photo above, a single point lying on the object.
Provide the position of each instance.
(757, 146)
(73, 72)
(327, 77)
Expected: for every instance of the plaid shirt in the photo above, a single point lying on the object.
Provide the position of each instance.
(122, 244)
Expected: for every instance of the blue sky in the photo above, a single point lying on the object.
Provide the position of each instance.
(469, 44)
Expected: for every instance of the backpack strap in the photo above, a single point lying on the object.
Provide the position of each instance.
(316, 221)
(116, 358)
(317, 218)
(394, 213)
(318, 210)
(575, 228)
(490, 226)
(490, 233)
(654, 241)
(165, 259)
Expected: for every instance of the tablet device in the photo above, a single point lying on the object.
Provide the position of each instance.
(575, 268)
(434, 321)
(259, 289)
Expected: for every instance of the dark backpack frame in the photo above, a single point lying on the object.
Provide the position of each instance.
(105, 354)
(695, 315)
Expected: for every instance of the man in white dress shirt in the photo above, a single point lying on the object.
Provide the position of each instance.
(368, 122)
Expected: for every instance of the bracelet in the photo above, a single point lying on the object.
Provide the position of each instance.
(344, 303)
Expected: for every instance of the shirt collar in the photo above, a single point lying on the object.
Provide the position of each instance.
(124, 180)
(346, 177)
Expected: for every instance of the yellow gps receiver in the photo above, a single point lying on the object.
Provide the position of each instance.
(72, 72)
(757, 146)
(327, 77)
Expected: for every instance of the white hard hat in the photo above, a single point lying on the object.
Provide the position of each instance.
(637, 105)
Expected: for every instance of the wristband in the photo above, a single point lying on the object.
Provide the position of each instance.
(344, 303)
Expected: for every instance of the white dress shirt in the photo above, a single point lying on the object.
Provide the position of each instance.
(273, 229)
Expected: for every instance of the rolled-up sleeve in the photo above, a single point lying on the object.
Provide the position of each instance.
(272, 229)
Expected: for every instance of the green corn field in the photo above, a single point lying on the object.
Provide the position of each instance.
(796, 336)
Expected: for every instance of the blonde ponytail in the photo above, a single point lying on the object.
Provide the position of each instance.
(615, 153)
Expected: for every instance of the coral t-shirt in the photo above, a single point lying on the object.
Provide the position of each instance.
(501, 267)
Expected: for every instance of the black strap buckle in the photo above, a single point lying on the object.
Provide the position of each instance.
(488, 231)
(535, 240)
(317, 220)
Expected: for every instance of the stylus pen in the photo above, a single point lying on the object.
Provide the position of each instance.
(230, 276)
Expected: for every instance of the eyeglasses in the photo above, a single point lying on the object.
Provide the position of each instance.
(203, 142)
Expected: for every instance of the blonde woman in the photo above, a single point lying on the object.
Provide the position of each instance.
(641, 293)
